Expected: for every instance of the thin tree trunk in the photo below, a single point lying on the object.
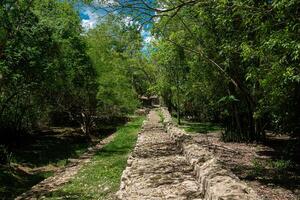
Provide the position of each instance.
(178, 105)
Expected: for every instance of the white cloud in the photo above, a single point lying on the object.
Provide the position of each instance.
(105, 3)
(156, 19)
(92, 21)
(127, 20)
(148, 38)
(88, 24)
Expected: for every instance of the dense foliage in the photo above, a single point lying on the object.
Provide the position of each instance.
(235, 62)
(39, 61)
(52, 72)
(229, 65)
(231, 61)
(114, 49)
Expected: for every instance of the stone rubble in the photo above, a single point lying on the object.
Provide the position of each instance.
(168, 164)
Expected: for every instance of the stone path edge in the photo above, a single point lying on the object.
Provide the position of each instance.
(129, 162)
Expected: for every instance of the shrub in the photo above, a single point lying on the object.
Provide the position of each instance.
(258, 168)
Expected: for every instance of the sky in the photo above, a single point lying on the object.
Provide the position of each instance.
(90, 17)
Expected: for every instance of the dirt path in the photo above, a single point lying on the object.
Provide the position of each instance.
(63, 175)
(157, 169)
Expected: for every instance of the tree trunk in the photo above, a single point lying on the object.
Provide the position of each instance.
(178, 105)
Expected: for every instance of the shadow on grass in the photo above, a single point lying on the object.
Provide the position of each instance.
(268, 175)
(199, 127)
(65, 195)
(278, 165)
(45, 150)
(14, 182)
(38, 152)
(54, 147)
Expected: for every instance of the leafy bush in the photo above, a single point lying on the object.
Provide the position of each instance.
(161, 116)
(258, 168)
(280, 165)
(274, 170)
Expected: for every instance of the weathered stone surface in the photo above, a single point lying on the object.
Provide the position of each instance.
(143, 111)
(168, 164)
(157, 168)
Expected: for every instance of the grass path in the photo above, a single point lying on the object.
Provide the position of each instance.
(100, 178)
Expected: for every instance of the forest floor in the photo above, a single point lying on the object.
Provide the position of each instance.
(65, 174)
(62, 152)
(43, 154)
(267, 167)
(94, 174)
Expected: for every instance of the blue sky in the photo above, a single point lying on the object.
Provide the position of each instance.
(90, 17)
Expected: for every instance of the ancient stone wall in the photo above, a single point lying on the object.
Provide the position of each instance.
(215, 182)
(156, 168)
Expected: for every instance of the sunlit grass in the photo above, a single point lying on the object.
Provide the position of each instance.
(198, 127)
(100, 178)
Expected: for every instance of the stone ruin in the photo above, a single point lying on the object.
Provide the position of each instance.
(167, 164)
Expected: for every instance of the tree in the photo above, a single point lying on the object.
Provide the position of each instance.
(114, 49)
(239, 41)
(171, 65)
(44, 66)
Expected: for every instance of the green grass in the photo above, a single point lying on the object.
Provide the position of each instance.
(160, 114)
(100, 178)
(46, 150)
(198, 127)
(43, 153)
